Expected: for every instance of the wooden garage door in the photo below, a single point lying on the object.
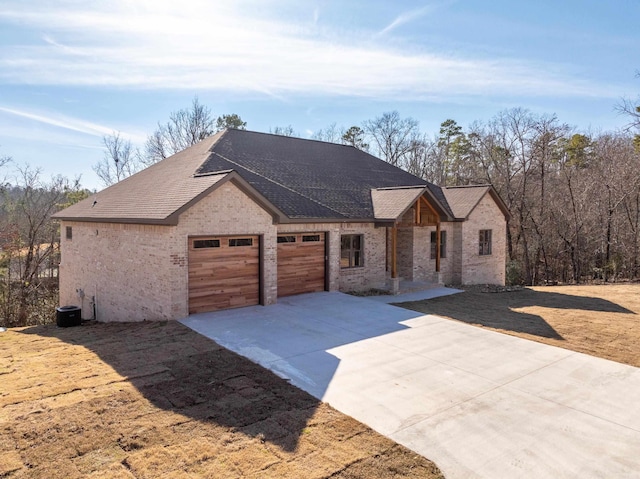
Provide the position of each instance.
(224, 272)
(301, 263)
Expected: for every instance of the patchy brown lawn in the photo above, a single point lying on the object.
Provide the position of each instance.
(600, 320)
(153, 400)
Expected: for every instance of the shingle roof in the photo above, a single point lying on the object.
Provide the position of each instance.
(152, 195)
(391, 203)
(297, 179)
(463, 199)
(307, 178)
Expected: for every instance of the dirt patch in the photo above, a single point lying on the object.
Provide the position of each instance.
(159, 400)
(600, 320)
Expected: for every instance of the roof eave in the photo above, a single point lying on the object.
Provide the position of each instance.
(501, 204)
(138, 221)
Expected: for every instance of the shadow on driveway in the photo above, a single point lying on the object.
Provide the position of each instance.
(295, 337)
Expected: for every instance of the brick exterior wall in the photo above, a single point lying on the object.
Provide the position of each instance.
(226, 211)
(373, 274)
(489, 269)
(125, 267)
(462, 264)
(425, 268)
(140, 272)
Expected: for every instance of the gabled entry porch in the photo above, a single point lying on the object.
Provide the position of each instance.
(410, 218)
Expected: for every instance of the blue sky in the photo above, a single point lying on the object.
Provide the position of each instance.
(73, 71)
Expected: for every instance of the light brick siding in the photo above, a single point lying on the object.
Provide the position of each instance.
(125, 267)
(456, 254)
(426, 267)
(414, 254)
(140, 272)
(373, 273)
(489, 269)
(228, 211)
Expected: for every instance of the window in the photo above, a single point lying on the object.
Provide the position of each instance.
(286, 239)
(206, 243)
(241, 242)
(308, 238)
(351, 251)
(69, 231)
(485, 242)
(443, 244)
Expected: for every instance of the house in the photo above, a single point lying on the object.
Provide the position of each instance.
(243, 218)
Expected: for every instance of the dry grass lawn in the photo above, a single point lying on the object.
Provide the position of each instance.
(152, 400)
(600, 320)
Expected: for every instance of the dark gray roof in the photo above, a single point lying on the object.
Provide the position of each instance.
(292, 178)
(307, 178)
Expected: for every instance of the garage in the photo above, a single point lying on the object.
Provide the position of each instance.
(224, 272)
(301, 263)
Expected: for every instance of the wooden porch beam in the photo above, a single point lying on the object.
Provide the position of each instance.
(418, 213)
(422, 198)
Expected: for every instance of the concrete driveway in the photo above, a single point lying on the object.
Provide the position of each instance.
(477, 402)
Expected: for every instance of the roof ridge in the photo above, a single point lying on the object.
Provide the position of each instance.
(292, 137)
(486, 185)
(277, 183)
(400, 187)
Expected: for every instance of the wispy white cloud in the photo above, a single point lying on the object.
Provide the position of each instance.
(406, 17)
(243, 47)
(68, 123)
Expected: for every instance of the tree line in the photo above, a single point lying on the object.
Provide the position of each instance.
(574, 197)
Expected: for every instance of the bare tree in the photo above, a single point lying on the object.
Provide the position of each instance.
(29, 243)
(393, 137)
(331, 134)
(283, 131)
(185, 127)
(119, 160)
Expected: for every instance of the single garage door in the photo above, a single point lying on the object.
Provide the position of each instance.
(301, 263)
(224, 272)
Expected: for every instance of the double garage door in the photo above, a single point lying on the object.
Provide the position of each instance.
(224, 271)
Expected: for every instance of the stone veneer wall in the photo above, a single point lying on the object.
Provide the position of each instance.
(489, 269)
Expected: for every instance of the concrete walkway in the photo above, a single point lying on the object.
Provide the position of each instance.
(479, 403)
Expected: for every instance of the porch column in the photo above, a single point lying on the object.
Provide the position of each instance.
(437, 217)
(394, 248)
(438, 246)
